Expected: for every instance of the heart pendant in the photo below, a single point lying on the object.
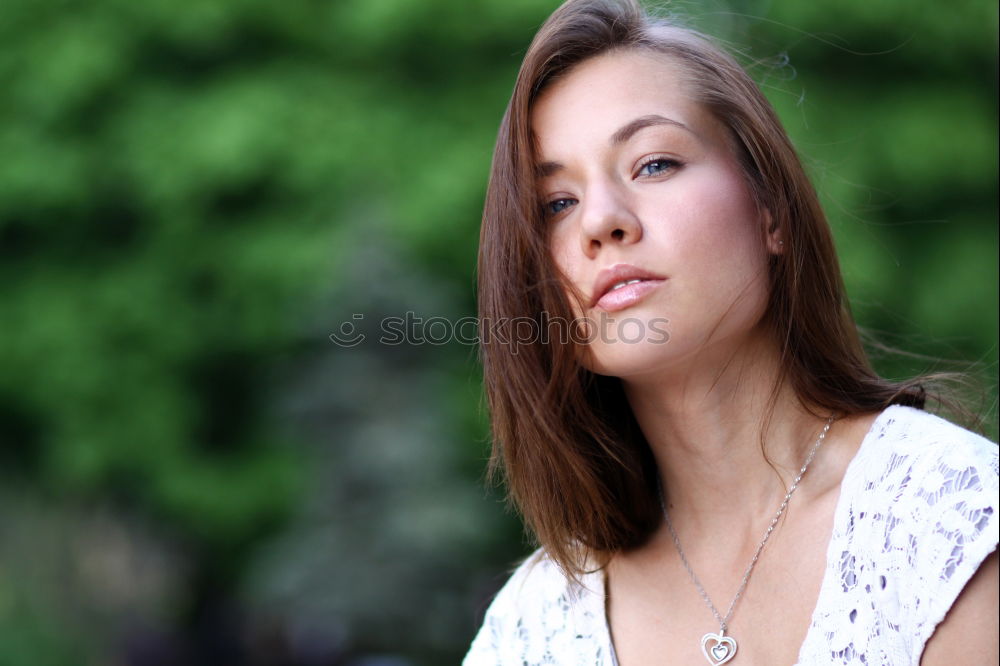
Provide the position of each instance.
(718, 648)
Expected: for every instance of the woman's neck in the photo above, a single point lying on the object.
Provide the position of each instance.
(704, 426)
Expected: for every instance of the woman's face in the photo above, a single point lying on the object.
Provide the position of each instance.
(649, 216)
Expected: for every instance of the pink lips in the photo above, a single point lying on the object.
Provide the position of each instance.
(639, 283)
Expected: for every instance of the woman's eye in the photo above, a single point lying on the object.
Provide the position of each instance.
(557, 206)
(657, 166)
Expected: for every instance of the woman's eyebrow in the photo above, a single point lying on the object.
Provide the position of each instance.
(628, 130)
(623, 134)
(546, 169)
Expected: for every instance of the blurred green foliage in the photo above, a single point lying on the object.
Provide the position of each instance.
(193, 197)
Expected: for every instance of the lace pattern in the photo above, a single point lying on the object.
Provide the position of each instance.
(915, 519)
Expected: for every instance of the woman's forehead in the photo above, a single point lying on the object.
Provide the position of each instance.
(600, 98)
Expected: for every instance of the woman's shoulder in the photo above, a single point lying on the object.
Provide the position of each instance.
(541, 610)
(908, 447)
(535, 583)
(918, 517)
(923, 479)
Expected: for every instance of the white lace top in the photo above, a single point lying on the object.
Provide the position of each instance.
(916, 517)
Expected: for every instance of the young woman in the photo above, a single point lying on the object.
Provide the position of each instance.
(711, 466)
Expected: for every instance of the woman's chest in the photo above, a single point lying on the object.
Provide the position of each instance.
(660, 615)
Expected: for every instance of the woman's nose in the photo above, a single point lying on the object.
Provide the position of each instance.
(608, 218)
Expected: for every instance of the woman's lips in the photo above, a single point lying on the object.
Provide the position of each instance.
(628, 295)
(621, 285)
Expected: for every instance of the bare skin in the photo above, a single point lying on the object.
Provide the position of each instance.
(655, 612)
(665, 194)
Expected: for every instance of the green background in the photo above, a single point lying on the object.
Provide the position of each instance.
(193, 197)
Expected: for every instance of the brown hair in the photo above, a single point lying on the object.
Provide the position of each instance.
(576, 464)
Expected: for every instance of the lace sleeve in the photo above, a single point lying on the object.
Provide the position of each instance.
(503, 629)
(953, 511)
(541, 618)
(485, 648)
(916, 518)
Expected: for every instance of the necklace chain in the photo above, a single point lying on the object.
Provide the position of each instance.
(724, 621)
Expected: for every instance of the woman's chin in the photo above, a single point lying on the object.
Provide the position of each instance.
(630, 359)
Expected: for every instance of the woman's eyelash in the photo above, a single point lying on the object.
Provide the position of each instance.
(659, 165)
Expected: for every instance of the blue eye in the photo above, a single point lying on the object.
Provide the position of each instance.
(557, 206)
(657, 166)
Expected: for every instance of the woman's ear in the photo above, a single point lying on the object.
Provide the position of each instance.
(775, 235)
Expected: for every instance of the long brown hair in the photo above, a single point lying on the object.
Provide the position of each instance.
(576, 463)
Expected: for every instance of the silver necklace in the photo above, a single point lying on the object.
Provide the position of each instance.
(719, 648)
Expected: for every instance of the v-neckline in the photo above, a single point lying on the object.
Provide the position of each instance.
(598, 586)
